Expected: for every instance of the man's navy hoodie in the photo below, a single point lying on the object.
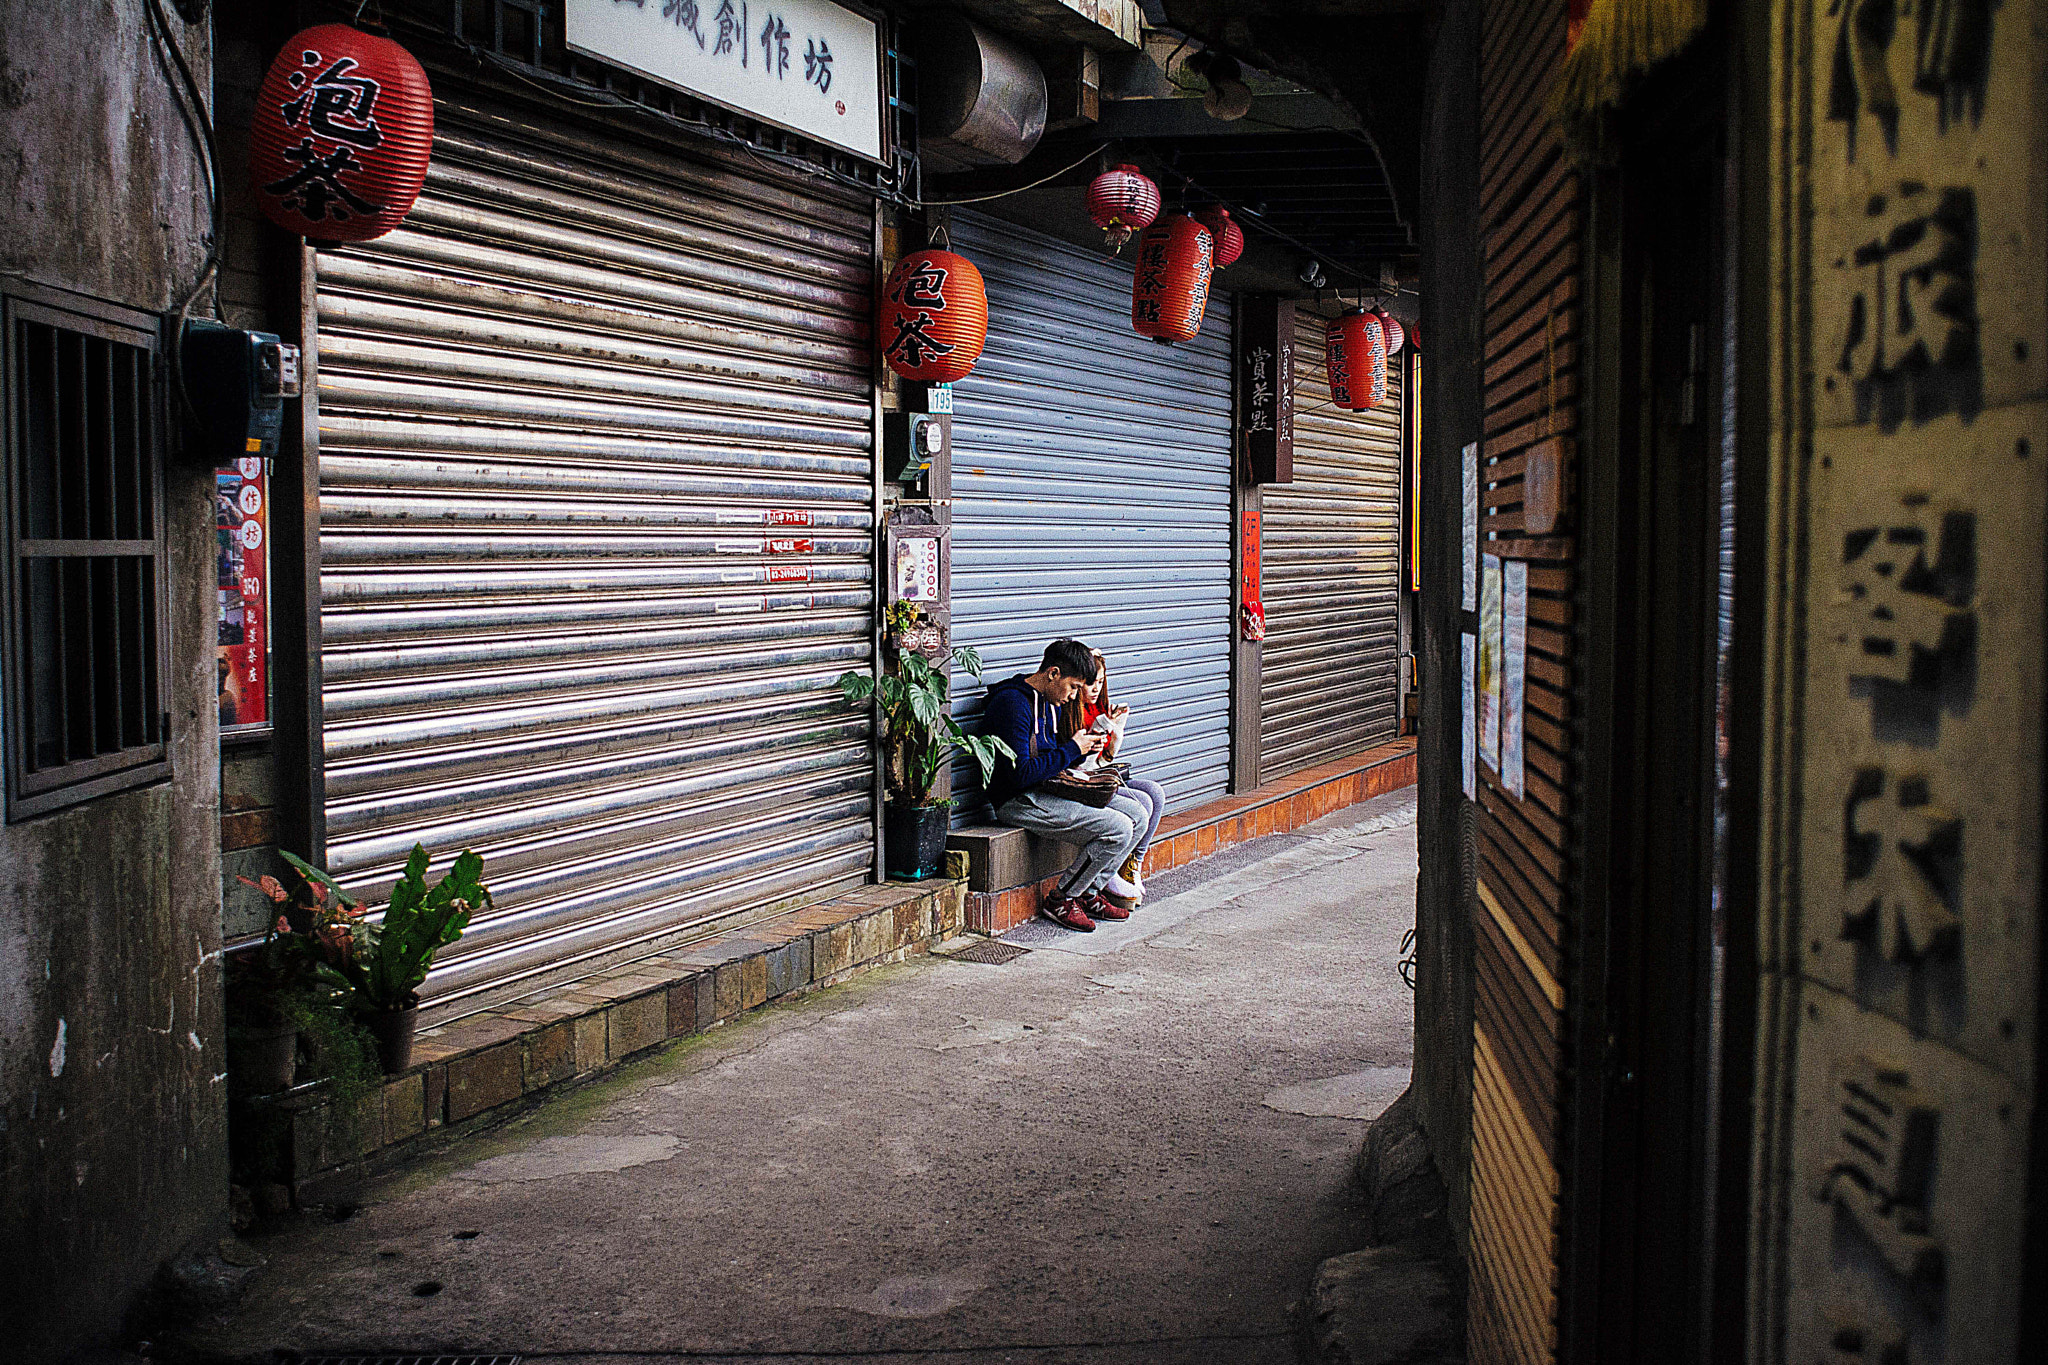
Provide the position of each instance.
(1029, 724)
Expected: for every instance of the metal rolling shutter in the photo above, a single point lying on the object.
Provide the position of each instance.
(1091, 498)
(563, 412)
(1332, 575)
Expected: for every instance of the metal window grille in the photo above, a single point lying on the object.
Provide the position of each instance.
(84, 702)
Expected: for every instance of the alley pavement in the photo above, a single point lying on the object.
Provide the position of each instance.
(1125, 1147)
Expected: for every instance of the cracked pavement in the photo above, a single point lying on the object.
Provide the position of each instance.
(1137, 1154)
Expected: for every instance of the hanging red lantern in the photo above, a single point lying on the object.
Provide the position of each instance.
(1170, 288)
(1355, 354)
(1229, 236)
(343, 130)
(1392, 330)
(1121, 201)
(933, 320)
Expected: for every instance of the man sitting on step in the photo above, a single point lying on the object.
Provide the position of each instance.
(1024, 711)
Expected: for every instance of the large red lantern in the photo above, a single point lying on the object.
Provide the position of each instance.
(343, 130)
(1229, 236)
(1170, 288)
(1355, 354)
(1122, 200)
(1392, 330)
(934, 317)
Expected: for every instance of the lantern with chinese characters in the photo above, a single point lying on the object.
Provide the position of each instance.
(1170, 288)
(1121, 201)
(1355, 354)
(1229, 236)
(934, 317)
(1392, 330)
(343, 130)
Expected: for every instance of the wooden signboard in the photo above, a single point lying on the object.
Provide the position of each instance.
(1265, 388)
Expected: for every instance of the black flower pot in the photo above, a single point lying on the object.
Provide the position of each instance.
(392, 1030)
(914, 840)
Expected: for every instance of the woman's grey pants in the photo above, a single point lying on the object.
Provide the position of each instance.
(1106, 836)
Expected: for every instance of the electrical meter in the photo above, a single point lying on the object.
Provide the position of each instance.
(237, 382)
(912, 441)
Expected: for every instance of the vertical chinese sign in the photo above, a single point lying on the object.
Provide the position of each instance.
(1265, 388)
(241, 525)
(1902, 921)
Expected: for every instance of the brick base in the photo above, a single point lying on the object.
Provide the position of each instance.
(1285, 804)
(481, 1069)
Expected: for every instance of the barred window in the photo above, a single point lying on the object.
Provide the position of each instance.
(84, 700)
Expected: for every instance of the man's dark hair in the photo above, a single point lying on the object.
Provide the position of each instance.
(1071, 658)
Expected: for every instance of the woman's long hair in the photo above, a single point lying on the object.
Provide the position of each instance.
(1070, 714)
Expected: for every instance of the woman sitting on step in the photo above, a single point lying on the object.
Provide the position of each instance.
(1093, 712)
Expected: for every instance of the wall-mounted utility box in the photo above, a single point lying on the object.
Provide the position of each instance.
(917, 448)
(238, 382)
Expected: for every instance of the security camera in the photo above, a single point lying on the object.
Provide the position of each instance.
(1311, 274)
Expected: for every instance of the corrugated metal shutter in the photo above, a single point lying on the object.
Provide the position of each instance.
(1091, 498)
(1331, 571)
(564, 411)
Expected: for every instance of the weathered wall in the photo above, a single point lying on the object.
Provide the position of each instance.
(112, 1106)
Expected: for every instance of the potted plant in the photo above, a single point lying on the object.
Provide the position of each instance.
(272, 989)
(388, 959)
(918, 735)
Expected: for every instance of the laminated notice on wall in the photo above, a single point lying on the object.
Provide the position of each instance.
(1469, 511)
(1514, 659)
(1470, 650)
(1489, 660)
(241, 520)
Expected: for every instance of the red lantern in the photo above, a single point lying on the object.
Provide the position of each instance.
(934, 317)
(1122, 200)
(343, 130)
(1170, 287)
(1355, 353)
(1392, 330)
(1229, 236)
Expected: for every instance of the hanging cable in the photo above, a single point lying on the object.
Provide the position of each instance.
(1004, 194)
(199, 125)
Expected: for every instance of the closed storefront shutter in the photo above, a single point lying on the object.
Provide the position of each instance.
(1331, 574)
(1091, 486)
(596, 529)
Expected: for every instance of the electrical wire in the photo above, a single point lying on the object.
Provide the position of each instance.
(199, 126)
(1004, 194)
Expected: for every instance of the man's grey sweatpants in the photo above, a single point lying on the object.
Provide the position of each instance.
(1106, 836)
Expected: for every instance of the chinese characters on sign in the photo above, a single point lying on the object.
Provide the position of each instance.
(810, 66)
(241, 523)
(1265, 386)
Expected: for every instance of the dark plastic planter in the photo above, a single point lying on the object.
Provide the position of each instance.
(393, 1031)
(914, 840)
(260, 1060)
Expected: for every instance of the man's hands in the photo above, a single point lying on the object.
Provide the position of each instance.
(1088, 741)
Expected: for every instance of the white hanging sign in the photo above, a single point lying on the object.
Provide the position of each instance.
(809, 66)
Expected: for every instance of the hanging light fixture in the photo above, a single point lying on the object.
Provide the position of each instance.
(343, 130)
(1121, 201)
(1392, 330)
(1229, 236)
(933, 319)
(1355, 356)
(1170, 288)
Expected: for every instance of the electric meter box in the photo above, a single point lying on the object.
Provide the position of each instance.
(915, 445)
(238, 382)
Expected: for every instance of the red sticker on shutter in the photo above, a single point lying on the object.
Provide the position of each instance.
(788, 516)
(788, 573)
(791, 547)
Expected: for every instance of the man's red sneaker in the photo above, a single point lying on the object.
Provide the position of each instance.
(1102, 907)
(1067, 913)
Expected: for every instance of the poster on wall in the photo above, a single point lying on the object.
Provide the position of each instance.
(1470, 651)
(1489, 660)
(1514, 661)
(241, 527)
(1470, 514)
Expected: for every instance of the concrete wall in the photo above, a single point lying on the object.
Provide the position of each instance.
(112, 1098)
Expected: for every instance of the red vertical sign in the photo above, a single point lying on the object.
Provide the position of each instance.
(1252, 612)
(241, 528)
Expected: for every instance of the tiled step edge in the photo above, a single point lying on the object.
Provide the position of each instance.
(484, 1068)
(1285, 804)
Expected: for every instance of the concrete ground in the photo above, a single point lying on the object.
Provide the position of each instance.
(1137, 1152)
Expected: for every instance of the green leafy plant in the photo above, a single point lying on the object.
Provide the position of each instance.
(293, 972)
(387, 961)
(918, 729)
